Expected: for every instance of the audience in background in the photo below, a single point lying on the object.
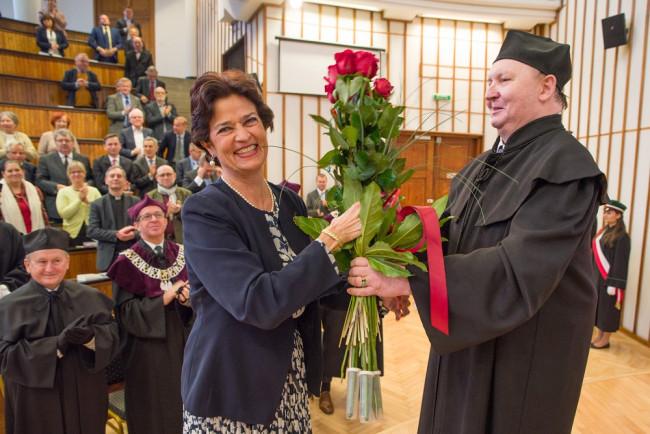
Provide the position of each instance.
(128, 45)
(50, 8)
(81, 84)
(101, 164)
(146, 86)
(52, 170)
(161, 114)
(50, 40)
(137, 61)
(176, 143)
(12, 268)
(16, 152)
(73, 204)
(317, 199)
(109, 222)
(172, 196)
(186, 164)
(196, 180)
(132, 137)
(105, 40)
(10, 134)
(119, 105)
(145, 168)
(46, 144)
(21, 203)
(126, 23)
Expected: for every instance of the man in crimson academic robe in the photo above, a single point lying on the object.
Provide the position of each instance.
(56, 338)
(519, 279)
(153, 313)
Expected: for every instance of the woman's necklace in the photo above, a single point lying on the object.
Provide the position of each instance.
(247, 201)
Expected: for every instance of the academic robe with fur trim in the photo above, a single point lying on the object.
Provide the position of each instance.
(608, 316)
(152, 337)
(44, 393)
(522, 294)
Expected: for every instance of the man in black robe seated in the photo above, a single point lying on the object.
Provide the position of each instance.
(152, 296)
(12, 268)
(56, 338)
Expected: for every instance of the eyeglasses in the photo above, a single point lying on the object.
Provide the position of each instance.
(147, 217)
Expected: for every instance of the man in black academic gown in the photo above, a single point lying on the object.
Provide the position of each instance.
(12, 269)
(56, 338)
(152, 297)
(519, 279)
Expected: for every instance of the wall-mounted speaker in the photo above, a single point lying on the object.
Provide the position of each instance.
(614, 31)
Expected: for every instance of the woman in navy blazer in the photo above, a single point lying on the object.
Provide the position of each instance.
(254, 353)
(46, 45)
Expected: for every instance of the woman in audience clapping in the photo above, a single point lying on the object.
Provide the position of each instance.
(50, 40)
(21, 203)
(9, 134)
(46, 144)
(73, 203)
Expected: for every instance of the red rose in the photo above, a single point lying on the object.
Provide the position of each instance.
(329, 90)
(345, 62)
(383, 87)
(365, 63)
(332, 74)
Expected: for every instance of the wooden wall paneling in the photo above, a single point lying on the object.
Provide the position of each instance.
(32, 65)
(82, 261)
(24, 26)
(34, 120)
(143, 12)
(92, 148)
(23, 41)
(23, 90)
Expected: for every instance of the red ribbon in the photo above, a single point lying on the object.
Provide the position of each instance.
(437, 277)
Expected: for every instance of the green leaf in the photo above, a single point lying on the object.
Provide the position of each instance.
(351, 172)
(321, 120)
(398, 165)
(342, 89)
(404, 177)
(351, 134)
(334, 198)
(356, 84)
(326, 160)
(387, 268)
(440, 204)
(355, 120)
(371, 217)
(381, 161)
(368, 172)
(386, 180)
(352, 191)
(361, 158)
(369, 115)
(310, 225)
(389, 219)
(406, 234)
(338, 139)
(343, 258)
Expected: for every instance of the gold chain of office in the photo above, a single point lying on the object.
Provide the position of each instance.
(164, 275)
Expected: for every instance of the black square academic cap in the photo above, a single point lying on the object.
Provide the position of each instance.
(543, 54)
(46, 238)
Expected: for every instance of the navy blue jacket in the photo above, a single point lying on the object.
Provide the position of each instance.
(239, 351)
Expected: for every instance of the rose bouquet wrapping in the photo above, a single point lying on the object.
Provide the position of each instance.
(366, 164)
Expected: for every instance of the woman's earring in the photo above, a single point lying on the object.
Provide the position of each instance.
(211, 161)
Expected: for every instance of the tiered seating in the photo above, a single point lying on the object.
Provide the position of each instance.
(39, 91)
(26, 42)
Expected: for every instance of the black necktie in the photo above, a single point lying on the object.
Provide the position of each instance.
(65, 161)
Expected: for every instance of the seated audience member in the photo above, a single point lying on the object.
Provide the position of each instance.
(132, 137)
(101, 164)
(196, 180)
(187, 164)
(160, 114)
(119, 105)
(16, 152)
(109, 223)
(50, 40)
(137, 61)
(105, 40)
(10, 134)
(73, 204)
(154, 317)
(176, 142)
(12, 268)
(127, 23)
(81, 84)
(172, 196)
(146, 86)
(56, 338)
(21, 203)
(60, 23)
(52, 170)
(144, 168)
(46, 144)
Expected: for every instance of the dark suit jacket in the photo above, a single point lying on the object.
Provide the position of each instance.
(135, 68)
(159, 123)
(29, 168)
(52, 172)
(69, 83)
(102, 227)
(168, 143)
(114, 109)
(142, 86)
(121, 26)
(182, 167)
(98, 39)
(141, 175)
(188, 181)
(44, 43)
(127, 139)
(101, 165)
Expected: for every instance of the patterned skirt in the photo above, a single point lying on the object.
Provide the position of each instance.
(292, 415)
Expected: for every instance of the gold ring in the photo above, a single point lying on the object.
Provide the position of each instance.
(363, 282)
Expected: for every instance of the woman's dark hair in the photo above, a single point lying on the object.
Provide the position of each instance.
(619, 229)
(212, 86)
(46, 17)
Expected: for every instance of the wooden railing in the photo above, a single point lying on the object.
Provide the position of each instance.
(39, 91)
(23, 41)
(32, 65)
(24, 26)
(35, 119)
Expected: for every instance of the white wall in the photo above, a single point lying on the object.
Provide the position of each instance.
(79, 14)
(175, 39)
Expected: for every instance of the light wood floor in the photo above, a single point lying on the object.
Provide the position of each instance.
(615, 395)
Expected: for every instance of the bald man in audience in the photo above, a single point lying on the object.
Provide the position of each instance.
(132, 137)
(120, 104)
(173, 197)
(137, 61)
(81, 84)
(160, 114)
